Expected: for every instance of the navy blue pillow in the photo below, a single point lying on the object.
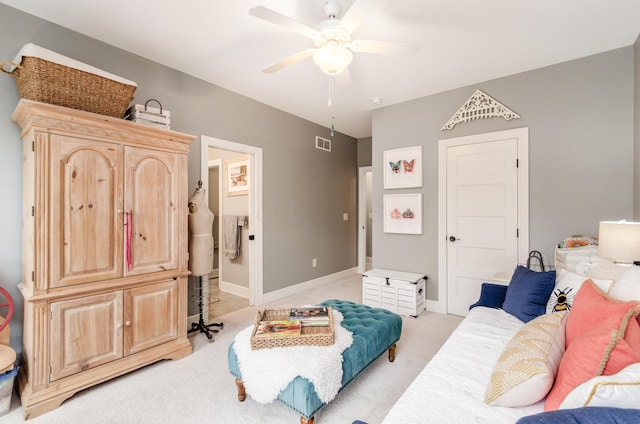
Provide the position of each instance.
(491, 295)
(588, 415)
(528, 293)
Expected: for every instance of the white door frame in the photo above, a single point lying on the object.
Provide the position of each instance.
(522, 134)
(362, 216)
(255, 205)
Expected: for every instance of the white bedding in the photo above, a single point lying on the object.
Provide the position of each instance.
(451, 388)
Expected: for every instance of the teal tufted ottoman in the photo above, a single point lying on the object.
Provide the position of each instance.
(374, 332)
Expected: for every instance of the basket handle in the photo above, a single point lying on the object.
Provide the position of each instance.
(3, 64)
(152, 100)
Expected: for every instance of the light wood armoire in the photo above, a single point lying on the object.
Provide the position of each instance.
(104, 250)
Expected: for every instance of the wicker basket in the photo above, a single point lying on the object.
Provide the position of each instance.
(318, 336)
(49, 82)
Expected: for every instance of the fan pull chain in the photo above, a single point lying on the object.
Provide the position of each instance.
(331, 78)
(331, 82)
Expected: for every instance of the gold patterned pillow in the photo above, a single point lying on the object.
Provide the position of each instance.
(528, 365)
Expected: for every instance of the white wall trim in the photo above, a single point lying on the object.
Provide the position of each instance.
(307, 285)
(436, 305)
(522, 134)
(234, 289)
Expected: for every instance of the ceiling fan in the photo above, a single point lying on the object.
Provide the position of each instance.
(334, 45)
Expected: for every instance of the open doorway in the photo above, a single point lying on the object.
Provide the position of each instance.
(221, 300)
(243, 275)
(365, 178)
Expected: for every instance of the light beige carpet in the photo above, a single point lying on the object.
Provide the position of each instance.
(199, 388)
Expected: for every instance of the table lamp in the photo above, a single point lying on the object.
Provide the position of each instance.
(620, 241)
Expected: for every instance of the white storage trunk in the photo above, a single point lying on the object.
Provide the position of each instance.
(400, 292)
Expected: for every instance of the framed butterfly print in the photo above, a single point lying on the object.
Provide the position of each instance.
(402, 213)
(402, 167)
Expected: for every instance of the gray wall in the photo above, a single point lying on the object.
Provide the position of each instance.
(305, 190)
(364, 151)
(580, 120)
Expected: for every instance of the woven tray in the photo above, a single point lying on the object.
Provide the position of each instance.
(49, 82)
(318, 336)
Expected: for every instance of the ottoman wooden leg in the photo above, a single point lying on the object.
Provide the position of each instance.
(303, 420)
(392, 353)
(242, 395)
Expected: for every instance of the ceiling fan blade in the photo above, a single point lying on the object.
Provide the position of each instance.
(289, 61)
(384, 47)
(282, 20)
(358, 12)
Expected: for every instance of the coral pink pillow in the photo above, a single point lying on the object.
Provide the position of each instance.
(590, 307)
(608, 345)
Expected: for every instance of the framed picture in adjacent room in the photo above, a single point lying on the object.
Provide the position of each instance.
(402, 167)
(403, 213)
(237, 176)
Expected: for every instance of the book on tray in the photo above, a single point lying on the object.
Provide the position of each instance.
(313, 313)
(311, 316)
(278, 328)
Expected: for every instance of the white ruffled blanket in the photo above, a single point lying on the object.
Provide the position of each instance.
(266, 372)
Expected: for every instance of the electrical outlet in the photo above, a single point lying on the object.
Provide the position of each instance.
(345, 216)
(314, 262)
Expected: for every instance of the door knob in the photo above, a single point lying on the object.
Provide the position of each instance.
(452, 239)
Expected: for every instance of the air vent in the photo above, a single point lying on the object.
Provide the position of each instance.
(323, 144)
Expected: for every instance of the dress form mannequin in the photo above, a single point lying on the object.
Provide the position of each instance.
(201, 235)
(201, 254)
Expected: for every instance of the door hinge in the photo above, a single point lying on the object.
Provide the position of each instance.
(33, 276)
(33, 211)
(33, 146)
(517, 163)
(517, 232)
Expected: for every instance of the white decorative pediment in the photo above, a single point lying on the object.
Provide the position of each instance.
(480, 106)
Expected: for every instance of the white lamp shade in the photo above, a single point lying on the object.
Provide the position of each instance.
(332, 59)
(619, 241)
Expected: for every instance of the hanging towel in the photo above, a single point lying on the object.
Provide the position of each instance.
(231, 236)
(243, 221)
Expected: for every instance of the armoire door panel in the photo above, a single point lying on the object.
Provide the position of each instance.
(88, 333)
(86, 211)
(151, 204)
(150, 316)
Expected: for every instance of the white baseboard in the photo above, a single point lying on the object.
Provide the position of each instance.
(436, 306)
(234, 289)
(307, 285)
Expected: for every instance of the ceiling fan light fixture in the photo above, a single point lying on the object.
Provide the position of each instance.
(332, 59)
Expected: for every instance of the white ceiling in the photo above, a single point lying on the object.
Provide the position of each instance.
(462, 42)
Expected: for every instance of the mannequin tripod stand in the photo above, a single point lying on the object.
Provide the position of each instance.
(201, 325)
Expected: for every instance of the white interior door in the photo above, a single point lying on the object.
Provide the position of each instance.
(482, 221)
